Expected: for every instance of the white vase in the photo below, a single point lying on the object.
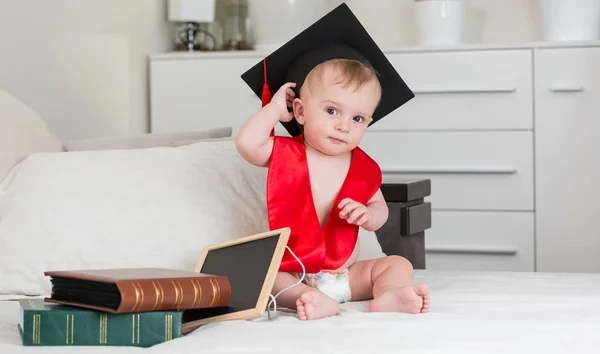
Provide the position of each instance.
(274, 22)
(439, 22)
(564, 20)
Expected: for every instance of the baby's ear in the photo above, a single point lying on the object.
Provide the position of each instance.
(298, 107)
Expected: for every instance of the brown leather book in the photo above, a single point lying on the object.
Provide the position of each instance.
(138, 289)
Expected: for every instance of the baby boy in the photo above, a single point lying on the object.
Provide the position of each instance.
(320, 183)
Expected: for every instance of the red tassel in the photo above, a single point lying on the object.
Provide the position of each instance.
(266, 93)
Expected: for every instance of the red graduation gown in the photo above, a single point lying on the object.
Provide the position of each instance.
(290, 204)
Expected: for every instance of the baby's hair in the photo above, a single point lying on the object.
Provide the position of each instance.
(351, 72)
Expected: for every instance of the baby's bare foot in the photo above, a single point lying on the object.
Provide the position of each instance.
(410, 299)
(313, 305)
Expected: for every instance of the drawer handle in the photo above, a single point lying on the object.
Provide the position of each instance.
(567, 88)
(472, 250)
(452, 170)
(434, 90)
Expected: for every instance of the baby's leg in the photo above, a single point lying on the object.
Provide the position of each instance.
(389, 281)
(309, 303)
(288, 298)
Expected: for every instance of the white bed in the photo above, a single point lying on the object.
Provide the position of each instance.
(471, 313)
(159, 206)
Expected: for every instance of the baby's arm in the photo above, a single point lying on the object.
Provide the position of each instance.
(370, 217)
(379, 211)
(253, 141)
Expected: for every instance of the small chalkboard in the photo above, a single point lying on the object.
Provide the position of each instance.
(251, 265)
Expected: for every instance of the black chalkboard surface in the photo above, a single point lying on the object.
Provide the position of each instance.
(251, 265)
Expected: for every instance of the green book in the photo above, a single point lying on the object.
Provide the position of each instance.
(47, 324)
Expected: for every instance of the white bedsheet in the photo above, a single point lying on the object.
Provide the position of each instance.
(470, 313)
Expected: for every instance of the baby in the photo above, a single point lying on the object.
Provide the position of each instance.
(334, 106)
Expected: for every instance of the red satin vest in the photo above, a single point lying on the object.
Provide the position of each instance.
(290, 204)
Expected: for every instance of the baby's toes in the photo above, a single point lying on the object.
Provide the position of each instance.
(301, 312)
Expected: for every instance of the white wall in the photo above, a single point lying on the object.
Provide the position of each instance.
(391, 23)
(81, 64)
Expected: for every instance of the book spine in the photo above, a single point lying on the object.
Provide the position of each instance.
(174, 294)
(63, 328)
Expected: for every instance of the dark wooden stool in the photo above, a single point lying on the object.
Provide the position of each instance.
(404, 232)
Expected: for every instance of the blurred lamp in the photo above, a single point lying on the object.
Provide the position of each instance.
(192, 13)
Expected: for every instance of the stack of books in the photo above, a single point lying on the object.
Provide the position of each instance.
(118, 307)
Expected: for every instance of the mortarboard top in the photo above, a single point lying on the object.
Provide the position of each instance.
(338, 34)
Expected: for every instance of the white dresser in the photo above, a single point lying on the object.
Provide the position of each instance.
(508, 135)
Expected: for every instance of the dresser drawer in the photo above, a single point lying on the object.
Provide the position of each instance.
(480, 241)
(475, 171)
(481, 90)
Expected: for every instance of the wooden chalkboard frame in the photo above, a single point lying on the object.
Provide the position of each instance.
(269, 281)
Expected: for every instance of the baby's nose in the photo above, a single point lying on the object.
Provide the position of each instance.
(342, 125)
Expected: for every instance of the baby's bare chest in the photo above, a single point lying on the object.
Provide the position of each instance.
(326, 180)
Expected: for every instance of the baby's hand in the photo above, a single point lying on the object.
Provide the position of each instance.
(354, 212)
(283, 99)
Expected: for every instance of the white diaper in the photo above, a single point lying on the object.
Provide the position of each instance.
(333, 283)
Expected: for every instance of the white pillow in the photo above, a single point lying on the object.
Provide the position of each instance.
(145, 141)
(131, 208)
(22, 132)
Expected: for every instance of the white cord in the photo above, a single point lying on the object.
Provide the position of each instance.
(273, 298)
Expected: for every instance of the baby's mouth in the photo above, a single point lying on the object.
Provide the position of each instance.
(337, 141)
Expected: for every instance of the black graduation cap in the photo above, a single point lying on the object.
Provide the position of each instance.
(338, 34)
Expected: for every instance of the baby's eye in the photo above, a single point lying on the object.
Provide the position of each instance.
(331, 111)
(359, 119)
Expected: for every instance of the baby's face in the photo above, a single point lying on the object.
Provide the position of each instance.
(335, 117)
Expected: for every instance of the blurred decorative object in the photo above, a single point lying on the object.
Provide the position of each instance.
(274, 22)
(439, 22)
(236, 25)
(564, 20)
(192, 13)
(210, 36)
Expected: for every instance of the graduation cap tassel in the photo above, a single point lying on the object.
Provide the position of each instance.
(266, 93)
